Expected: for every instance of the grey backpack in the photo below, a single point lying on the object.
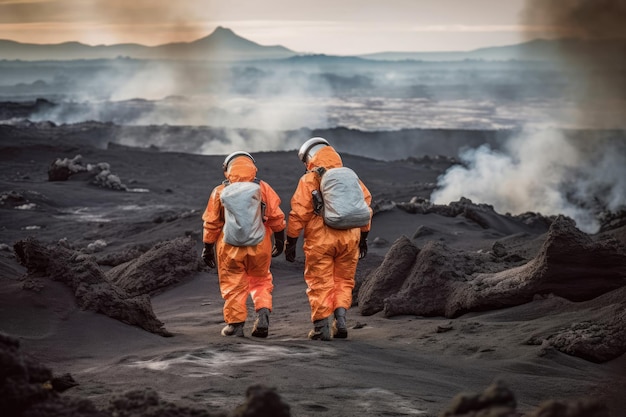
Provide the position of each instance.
(243, 213)
(341, 203)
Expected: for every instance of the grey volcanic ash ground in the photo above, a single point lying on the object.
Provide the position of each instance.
(107, 310)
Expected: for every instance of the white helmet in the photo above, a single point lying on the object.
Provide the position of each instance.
(310, 147)
(234, 155)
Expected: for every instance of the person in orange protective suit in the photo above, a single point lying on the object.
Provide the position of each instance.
(331, 255)
(243, 270)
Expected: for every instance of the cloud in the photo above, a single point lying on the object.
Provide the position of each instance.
(458, 28)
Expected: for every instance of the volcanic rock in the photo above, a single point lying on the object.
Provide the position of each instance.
(599, 338)
(441, 281)
(388, 277)
(166, 264)
(447, 282)
(92, 290)
(498, 401)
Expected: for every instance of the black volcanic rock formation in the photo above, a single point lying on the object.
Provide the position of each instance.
(388, 277)
(166, 264)
(439, 281)
(91, 288)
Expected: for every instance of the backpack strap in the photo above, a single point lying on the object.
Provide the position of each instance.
(319, 170)
(263, 205)
(318, 202)
(316, 195)
(255, 180)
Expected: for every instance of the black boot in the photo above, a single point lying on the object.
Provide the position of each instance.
(262, 323)
(340, 329)
(233, 329)
(321, 330)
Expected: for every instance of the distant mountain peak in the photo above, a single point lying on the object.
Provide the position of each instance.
(221, 33)
(221, 30)
(221, 44)
(224, 36)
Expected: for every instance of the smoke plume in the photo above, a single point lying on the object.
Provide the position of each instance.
(579, 174)
(544, 171)
(586, 19)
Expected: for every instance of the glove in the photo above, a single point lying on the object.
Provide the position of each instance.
(208, 255)
(363, 245)
(279, 243)
(290, 249)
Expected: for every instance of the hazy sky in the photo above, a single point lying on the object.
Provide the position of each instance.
(322, 26)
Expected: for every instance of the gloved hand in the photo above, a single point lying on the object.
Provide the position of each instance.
(290, 249)
(363, 245)
(279, 243)
(208, 255)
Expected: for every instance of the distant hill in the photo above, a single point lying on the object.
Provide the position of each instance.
(224, 45)
(221, 45)
(535, 50)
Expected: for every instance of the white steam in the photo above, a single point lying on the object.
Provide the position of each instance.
(128, 92)
(542, 171)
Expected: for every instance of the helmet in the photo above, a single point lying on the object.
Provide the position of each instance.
(234, 155)
(307, 150)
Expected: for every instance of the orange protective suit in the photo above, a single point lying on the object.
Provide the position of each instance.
(331, 255)
(243, 270)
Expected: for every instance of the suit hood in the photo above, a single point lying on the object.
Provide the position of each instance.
(241, 169)
(326, 157)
